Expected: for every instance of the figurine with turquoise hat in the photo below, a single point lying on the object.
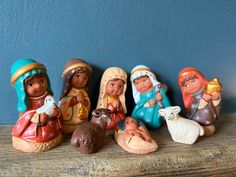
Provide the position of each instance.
(38, 128)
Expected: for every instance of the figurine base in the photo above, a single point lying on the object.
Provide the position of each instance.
(135, 144)
(26, 146)
(209, 130)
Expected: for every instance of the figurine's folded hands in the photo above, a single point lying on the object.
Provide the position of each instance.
(152, 102)
(206, 97)
(158, 96)
(73, 101)
(80, 98)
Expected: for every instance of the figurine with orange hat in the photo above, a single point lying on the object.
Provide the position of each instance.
(202, 98)
(38, 128)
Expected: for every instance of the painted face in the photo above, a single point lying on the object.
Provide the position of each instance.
(79, 80)
(130, 123)
(192, 86)
(143, 84)
(36, 86)
(115, 88)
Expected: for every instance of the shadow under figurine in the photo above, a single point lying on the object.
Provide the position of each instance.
(202, 98)
(182, 130)
(133, 136)
(38, 127)
(89, 137)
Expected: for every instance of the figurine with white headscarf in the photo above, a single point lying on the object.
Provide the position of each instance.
(149, 96)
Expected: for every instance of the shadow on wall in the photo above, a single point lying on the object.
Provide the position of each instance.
(94, 86)
(226, 109)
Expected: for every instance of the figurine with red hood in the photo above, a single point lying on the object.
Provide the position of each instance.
(202, 98)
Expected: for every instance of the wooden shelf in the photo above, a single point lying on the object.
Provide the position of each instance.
(209, 156)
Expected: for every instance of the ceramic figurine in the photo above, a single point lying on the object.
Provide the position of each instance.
(112, 94)
(89, 137)
(38, 127)
(182, 130)
(74, 102)
(133, 137)
(149, 96)
(201, 98)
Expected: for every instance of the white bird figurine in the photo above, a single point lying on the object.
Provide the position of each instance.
(47, 108)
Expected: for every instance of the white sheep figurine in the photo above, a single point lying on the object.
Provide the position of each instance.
(47, 108)
(182, 130)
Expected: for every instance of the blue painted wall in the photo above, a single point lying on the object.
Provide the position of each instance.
(165, 35)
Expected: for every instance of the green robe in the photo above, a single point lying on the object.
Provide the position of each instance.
(149, 114)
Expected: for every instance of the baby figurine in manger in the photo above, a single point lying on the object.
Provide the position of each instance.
(133, 136)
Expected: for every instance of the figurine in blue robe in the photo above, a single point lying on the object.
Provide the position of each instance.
(149, 96)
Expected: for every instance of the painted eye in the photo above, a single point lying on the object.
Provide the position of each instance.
(43, 81)
(30, 85)
(186, 86)
(96, 113)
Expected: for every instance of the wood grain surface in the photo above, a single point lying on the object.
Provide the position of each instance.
(209, 156)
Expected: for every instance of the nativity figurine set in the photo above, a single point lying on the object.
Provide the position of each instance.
(42, 122)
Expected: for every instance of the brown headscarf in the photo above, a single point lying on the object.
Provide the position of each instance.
(71, 67)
